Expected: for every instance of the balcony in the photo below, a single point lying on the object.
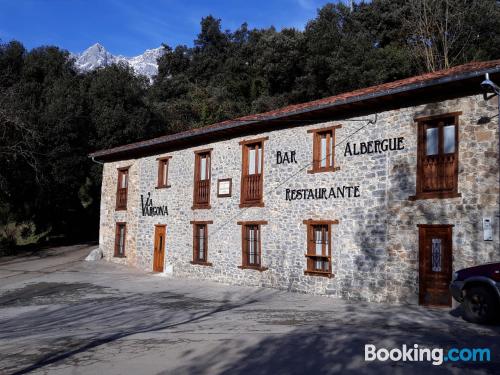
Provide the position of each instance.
(202, 194)
(439, 172)
(251, 190)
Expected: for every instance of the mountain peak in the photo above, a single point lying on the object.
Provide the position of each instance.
(97, 47)
(96, 56)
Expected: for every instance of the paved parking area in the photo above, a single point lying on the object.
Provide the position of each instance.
(62, 315)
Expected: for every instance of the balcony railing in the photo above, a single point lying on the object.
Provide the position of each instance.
(252, 188)
(439, 172)
(202, 192)
(121, 199)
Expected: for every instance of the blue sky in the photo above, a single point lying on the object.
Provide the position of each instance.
(128, 27)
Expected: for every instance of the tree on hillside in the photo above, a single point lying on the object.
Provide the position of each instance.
(51, 117)
(348, 50)
(117, 109)
(444, 33)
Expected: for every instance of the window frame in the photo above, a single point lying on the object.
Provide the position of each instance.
(116, 253)
(197, 172)
(312, 256)
(244, 245)
(435, 121)
(163, 163)
(196, 260)
(122, 171)
(330, 150)
(244, 201)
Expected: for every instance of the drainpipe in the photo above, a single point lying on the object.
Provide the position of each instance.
(95, 161)
(488, 86)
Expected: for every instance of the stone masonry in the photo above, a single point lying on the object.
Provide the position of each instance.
(375, 244)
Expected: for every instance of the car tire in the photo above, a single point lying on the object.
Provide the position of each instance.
(480, 305)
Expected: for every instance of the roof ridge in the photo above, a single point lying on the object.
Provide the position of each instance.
(397, 83)
(327, 101)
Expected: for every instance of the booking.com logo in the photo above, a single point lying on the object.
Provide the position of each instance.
(435, 355)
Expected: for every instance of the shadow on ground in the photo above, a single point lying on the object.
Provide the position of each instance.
(334, 344)
(95, 321)
(273, 334)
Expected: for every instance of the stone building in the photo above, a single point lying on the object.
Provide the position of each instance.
(376, 194)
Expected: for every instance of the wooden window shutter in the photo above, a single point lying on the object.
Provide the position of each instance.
(202, 179)
(251, 245)
(200, 243)
(437, 159)
(122, 189)
(252, 173)
(319, 247)
(163, 165)
(324, 149)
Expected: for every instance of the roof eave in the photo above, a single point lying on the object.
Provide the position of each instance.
(134, 147)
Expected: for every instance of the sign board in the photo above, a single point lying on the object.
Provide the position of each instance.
(224, 187)
(149, 209)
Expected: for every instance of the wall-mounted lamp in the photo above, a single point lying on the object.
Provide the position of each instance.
(489, 86)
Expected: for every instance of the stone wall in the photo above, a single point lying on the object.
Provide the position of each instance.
(375, 244)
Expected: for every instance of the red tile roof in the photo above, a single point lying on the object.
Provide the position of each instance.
(451, 74)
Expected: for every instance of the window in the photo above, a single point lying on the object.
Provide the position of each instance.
(163, 172)
(437, 162)
(120, 238)
(252, 173)
(202, 175)
(200, 242)
(251, 245)
(324, 150)
(122, 188)
(319, 247)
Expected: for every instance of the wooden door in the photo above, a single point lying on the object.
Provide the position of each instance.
(435, 264)
(159, 249)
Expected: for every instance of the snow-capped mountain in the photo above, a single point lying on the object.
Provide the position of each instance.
(96, 56)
